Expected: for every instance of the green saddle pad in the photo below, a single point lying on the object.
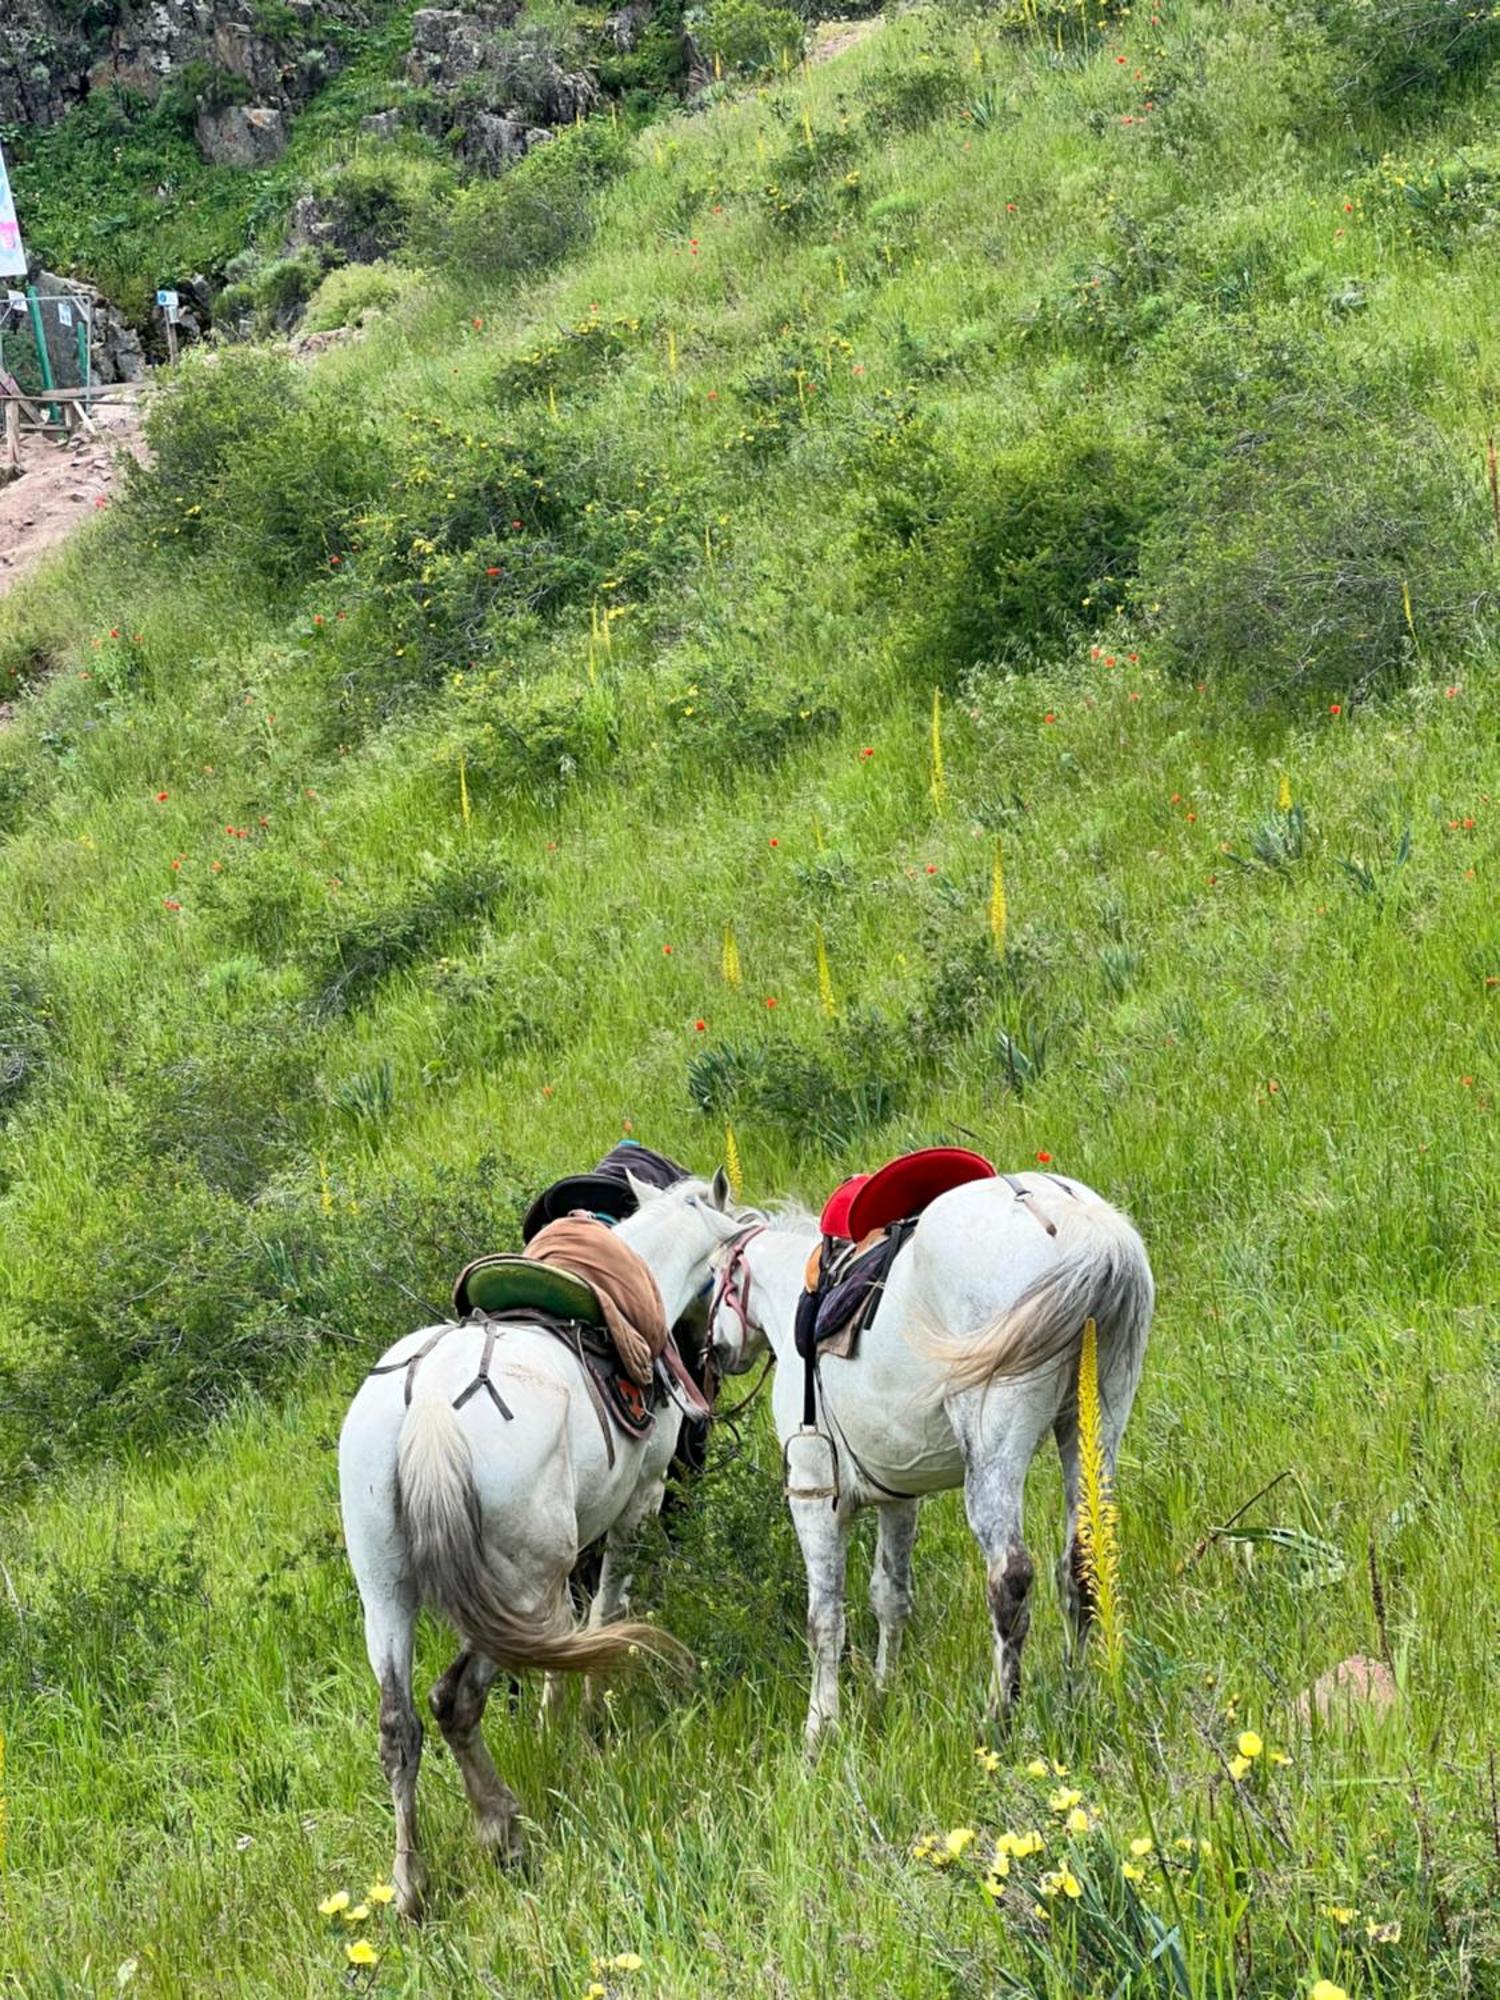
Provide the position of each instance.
(504, 1283)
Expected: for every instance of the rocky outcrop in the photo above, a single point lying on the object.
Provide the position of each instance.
(52, 52)
(242, 135)
(116, 352)
(480, 60)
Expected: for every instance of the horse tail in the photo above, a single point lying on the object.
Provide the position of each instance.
(441, 1515)
(1102, 1274)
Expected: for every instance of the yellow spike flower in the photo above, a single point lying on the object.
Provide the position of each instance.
(997, 901)
(826, 998)
(939, 782)
(729, 962)
(1098, 1517)
(1284, 794)
(732, 1163)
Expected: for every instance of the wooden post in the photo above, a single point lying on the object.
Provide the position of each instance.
(171, 336)
(13, 435)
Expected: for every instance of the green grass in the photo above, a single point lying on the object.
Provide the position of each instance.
(246, 1136)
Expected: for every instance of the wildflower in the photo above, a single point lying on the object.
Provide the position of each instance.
(357, 1915)
(1141, 1846)
(1334, 708)
(932, 868)
(1064, 1801)
(380, 1892)
(1238, 1767)
(1383, 1933)
(1341, 1914)
(1132, 1872)
(868, 751)
(960, 1839)
(1024, 1845)
(1077, 1821)
(666, 951)
(168, 903)
(1250, 1744)
(994, 1882)
(362, 1953)
(1061, 1881)
(332, 1905)
(989, 1760)
(774, 841)
(161, 798)
(701, 1025)
(772, 1001)
(1450, 693)
(1038, 1768)
(1280, 1757)
(1049, 716)
(1045, 1160)
(626, 1961)
(595, 1991)
(1324, 1989)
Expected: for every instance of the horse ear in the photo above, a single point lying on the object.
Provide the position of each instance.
(642, 1190)
(719, 1193)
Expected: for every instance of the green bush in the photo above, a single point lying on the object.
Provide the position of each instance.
(253, 459)
(1289, 567)
(348, 295)
(532, 216)
(367, 205)
(906, 99)
(1396, 52)
(1035, 548)
(745, 36)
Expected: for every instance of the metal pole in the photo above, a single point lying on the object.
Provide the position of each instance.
(39, 336)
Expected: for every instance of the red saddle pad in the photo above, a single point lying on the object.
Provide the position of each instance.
(905, 1186)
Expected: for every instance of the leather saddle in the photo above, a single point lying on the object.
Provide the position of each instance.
(503, 1287)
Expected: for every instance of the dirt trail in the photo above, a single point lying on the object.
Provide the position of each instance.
(833, 38)
(62, 485)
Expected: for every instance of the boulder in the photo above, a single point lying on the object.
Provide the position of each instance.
(383, 125)
(115, 350)
(242, 135)
(493, 143)
(488, 63)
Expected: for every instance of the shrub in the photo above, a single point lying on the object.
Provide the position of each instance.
(365, 207)
(728, 714)
(532, 216)
(1037, 546)
(348, 295)
(347, 966)
(1396, 52)
(251, 458)
(744, 36)
(906, 99)
(1290, 566)
(823, 1098)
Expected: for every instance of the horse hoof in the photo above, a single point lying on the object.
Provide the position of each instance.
(504, 1843)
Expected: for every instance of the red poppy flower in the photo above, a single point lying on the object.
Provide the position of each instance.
(666, 951)
(169, 904)
(1273, 1086)
(1049, 716)
(478, 325)
(114, 631)
(334, 561)
(177, 864)
(932, 868)
(492, 570)
(1335, 708)
(317, 618)
(1044, 1159)
(868, 751)
(161, 798)
(1468, 1082)
(774, 841)
(701, 1026)
(771, 1000)
(1450, 692)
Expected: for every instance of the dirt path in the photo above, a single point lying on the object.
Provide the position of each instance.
(833, 38)
(61, 486)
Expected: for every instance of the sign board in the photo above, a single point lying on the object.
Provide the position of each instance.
(167, 301)
(12, 252)
(64, 313)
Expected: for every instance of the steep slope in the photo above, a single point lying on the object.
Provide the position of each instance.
(1104, 408)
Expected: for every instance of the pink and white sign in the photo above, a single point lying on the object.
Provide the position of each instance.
(12, 254)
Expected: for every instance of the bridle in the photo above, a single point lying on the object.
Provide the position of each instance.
(732, 1293)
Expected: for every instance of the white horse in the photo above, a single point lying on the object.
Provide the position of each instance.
(472, 1470)
(970, 1360)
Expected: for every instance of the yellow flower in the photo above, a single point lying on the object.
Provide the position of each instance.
(1000, 1866)
(960, 1838)
(1383, 1933)
(595, 1990)
(1280, 1757)
(1061, 1881)
(1064, 1801)
(361, 1952)
(1038, 1768)
(1325, 1989)
(379, 1892)
(626, 1961)
(1022, 1845)
(1131, 1872)
(1340, 1912)
(1077, 1821)
(989, 1760)
(357, 1915)
(1140, 1847)
(1238, 1766)
(331, 1905)
(1250, 1745)
(994, 1882)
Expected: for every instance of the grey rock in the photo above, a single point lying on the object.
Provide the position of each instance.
(383, 125)
(242, 135)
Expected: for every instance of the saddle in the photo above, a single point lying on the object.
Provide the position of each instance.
(836, 1307)
(501, 1288)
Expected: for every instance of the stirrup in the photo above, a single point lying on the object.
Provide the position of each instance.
(828, 1492)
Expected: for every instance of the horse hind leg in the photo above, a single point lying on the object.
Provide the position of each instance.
(823, 1532)
(458, 1703)
(890, 1582)
(994, 1485)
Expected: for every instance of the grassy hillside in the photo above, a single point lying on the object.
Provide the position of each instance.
(387, 768)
